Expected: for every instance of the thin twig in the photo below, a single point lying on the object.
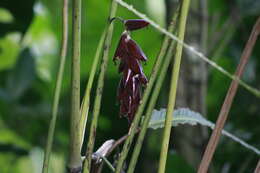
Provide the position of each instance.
(211, 147)
(173, 88)
(75, 162)
(108, 163)
(252, 90)
(119, 142)
(99, 91)
(63, 53)
(86, 98)
(155, 94)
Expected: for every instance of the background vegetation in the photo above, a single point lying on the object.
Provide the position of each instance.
(30, 35)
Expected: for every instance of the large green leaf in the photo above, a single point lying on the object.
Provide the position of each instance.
(186, 116)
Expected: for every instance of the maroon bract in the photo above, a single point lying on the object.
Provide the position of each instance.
(134, 24)
(133, 78)
(135, 51)
(121, 47)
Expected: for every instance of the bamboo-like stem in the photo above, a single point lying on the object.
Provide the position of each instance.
(140, 110)
(55, 104)
(173, 88)
(99, 91)
(86, 98)
(75, 162)
(155, 95)
(215, 136)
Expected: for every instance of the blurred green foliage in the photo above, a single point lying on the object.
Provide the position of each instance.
(30, 35)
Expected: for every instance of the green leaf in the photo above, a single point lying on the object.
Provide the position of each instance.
(187, 116)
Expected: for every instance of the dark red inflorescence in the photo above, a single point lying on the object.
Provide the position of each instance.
(133, 78)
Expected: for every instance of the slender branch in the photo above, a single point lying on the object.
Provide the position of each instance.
(140, 110)
(173, 88)
(155, 94)
(99, 91)
(55, 105)
(75, 163)
(211, 147)
(252, 90)
(119, 142)
(86, 98)
(108, 163)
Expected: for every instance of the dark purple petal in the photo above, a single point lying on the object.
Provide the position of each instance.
(121, 47)
(134, 24)
(122, 66)
(135, 50)
(134, 65)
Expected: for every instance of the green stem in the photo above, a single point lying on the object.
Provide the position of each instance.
(154, 96)
(75, 163)
(108, 163)
(173, 88)
(99, 91)
(140, 110)
(56, 98)
(86, 98)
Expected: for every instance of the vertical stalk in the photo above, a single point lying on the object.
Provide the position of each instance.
(75, 163)
(215, 136)
(155, 95)
(55, 104)
(173, 88)
(99, 91)
(86, 98)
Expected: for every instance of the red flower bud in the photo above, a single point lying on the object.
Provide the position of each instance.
(134, 24)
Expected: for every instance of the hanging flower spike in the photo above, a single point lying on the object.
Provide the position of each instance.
(133, 78)
(134, 24)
